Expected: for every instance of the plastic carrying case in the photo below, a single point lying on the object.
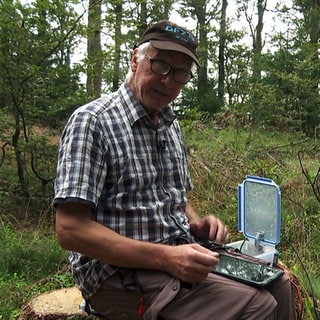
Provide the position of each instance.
(259, 218)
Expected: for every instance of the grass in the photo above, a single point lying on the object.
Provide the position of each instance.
(221, 159)
(32, 262)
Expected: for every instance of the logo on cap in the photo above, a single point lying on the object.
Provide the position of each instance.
(180, 33)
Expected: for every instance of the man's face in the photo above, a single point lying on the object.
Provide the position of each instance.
(152, 90)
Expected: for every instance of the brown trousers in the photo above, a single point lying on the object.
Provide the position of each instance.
(150, 295)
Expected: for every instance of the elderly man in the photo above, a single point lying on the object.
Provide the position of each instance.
(121, 205)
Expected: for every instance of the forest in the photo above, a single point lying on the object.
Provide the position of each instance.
(259, 74)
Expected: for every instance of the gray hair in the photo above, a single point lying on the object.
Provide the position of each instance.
(140, 54)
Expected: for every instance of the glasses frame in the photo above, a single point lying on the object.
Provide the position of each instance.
(169, 69)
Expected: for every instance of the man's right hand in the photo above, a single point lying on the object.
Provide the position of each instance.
(190, 262)
(77, 232)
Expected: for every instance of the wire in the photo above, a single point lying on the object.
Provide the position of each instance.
(242, 244)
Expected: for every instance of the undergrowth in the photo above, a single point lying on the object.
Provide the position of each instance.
(220, 159)
(32, 262)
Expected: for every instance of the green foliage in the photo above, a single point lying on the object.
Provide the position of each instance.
(21, 253)
(210, 102)
(39, 154)
(220, 157)
(36, 76)
(38, 86)
(288, 93)
(30, 262)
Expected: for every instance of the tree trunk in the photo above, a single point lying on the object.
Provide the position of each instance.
(257, 41)
(203, 50)
(222, 42)
(94, 51)
(117, 46)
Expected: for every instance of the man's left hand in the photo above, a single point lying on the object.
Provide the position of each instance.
(209, 228)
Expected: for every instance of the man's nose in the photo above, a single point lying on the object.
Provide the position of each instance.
(168, 79)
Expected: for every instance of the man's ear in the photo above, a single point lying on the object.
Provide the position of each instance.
(134, 60)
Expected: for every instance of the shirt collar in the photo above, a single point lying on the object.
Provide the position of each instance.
(135, 111)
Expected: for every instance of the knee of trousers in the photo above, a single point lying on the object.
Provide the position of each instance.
(265, 300)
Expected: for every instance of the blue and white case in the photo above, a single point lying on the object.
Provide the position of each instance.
(259, 217)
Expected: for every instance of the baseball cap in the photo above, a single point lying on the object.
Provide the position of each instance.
(166, 35)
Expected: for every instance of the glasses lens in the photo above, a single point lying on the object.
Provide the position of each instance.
(182, 76)
(160, 67)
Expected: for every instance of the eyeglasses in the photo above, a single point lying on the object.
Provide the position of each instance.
(160, 67)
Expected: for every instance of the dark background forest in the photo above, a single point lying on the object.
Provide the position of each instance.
(259, 72)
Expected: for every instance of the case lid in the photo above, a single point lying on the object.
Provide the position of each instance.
(259, 210)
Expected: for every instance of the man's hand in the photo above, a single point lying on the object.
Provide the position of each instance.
(190, 262)
(78, 232)
(209, 228)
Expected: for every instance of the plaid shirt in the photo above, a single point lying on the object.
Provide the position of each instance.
(132, 173)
